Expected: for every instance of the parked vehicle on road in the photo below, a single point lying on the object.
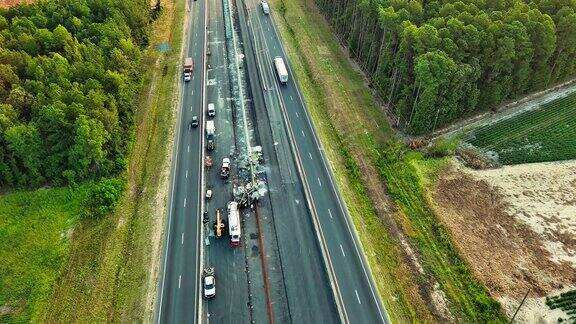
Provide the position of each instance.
(209, 283)
(210, 129)
(210, 145)
(265, 7)
(234, 223)
(194, 122)
(219, 225)
(188, 68)
(281, 69)
(211, 110)
(225, 169)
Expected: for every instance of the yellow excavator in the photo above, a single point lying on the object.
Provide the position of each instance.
(219, 226)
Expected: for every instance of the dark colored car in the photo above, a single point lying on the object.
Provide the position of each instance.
(210, 145)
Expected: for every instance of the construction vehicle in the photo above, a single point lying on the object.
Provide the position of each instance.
(281, 69)
(225, 169)
(219, 225)
(234, 223)
(188, 68)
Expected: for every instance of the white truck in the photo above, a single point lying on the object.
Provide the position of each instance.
(188, 68)
(281, 69)
(210, 131)
(265, 7)
(234, 223)
(225, 169)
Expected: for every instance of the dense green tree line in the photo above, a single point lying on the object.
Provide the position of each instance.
(435, 61)
(68, 79)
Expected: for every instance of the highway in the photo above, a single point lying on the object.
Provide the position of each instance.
(316, 271)
(353, 286)
(179, 279)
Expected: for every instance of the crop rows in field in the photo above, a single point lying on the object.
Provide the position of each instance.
(541, 135)
(565, 301)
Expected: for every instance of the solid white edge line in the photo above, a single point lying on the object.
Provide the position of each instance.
(368, 276)
(200, 259)
(175, 154)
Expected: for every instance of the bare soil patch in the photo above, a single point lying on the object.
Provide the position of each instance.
(516, 226)
(11, 3)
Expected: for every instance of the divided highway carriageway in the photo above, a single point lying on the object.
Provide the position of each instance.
(298, 260)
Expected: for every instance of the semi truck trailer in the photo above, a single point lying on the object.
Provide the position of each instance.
(281, 69)
(188, 68)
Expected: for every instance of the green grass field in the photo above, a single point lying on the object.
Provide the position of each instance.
(35, 230)
(542, 135)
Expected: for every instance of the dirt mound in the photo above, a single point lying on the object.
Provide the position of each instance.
(505, 251)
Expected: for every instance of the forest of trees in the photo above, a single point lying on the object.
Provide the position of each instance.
(68, 81)
(436, 61)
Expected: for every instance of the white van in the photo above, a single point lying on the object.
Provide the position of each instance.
(211, 110)
(265, 7)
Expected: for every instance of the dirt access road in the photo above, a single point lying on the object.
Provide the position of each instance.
(509, 110)
(516, 226)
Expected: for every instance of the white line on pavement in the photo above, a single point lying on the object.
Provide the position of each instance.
(182, 238)
(342, 249)
(291, 98)
(330, 212)
(310, 154)
(186, 174)
(303, 133)
(184, 202)
(357, 297)
(179, 281)
(320, 183)
(297, 115)
(188, 148)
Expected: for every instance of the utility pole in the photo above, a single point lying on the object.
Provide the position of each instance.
(521, 303)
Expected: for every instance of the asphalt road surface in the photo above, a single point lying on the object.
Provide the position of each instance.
(180, 277)
(300, 270)
(354, 287)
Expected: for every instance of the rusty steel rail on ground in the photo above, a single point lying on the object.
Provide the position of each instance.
(264, 268)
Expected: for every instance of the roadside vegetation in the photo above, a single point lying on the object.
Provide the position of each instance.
(89, 246)
(383, 183)
(436, 61)
(35, 231)
(111, 273)
(541, 135)
(70, 73)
